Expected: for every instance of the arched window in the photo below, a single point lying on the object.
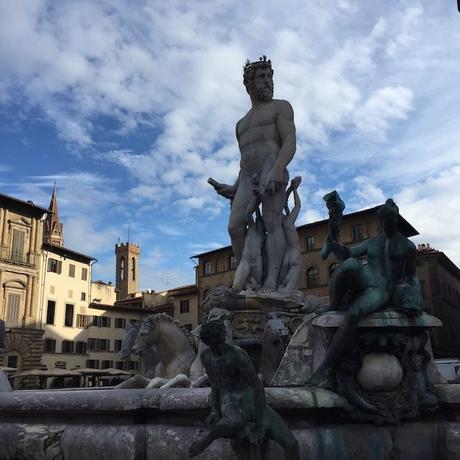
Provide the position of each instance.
(122, 268)
(133, 268)
(312, 277)
(332, 268)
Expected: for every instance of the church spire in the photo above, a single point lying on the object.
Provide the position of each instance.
(53, 231)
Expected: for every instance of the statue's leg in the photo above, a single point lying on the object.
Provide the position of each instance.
(138, 381)
(237, 221)
(349, 276)
(242, 273)
(280, 433)
(292, 278)
(367, 300)
(272, 206)
(232, 422)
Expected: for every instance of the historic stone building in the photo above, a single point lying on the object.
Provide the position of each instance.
(21, 230)
(82, 326)
(180, 302)
(440, 280)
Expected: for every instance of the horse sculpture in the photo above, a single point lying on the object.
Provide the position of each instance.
(149, 358)
(174, 343)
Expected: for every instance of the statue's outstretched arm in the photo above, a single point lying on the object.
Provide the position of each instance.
(225, 190)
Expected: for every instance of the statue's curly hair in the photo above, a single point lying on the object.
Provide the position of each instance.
(211, 328)
(249, 70)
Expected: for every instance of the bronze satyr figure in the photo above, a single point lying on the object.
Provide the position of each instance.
(238, 409)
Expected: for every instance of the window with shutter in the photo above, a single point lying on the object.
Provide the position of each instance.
(12, 310)
(17, 249)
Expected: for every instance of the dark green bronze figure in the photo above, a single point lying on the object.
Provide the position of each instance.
(389, 279)
(238, 409)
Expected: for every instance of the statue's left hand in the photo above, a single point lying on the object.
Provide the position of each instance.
(273, 181)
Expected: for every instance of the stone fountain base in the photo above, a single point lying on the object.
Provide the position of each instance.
(161, 425)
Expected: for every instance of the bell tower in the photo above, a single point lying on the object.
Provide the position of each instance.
(126, 269)
(53, 228)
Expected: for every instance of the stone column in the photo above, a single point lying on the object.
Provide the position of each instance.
(5, 228)
(26, 302)
(33, 231)
(38, 228)
(2, 219)
(2, 301)
(33, 283)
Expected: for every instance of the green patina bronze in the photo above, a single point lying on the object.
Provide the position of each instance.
(388, 280)
(238, 408)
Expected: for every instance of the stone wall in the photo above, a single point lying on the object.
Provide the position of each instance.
(161, 424)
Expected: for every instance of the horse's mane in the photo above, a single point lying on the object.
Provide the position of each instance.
(159, 317)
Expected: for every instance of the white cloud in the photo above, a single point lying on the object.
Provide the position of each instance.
(381, 108)
(373, 89)
(364, 194)
(433, 207)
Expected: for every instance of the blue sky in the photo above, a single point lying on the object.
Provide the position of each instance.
(131, 105)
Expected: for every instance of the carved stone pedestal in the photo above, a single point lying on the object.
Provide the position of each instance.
(387, 373)
(262, 324)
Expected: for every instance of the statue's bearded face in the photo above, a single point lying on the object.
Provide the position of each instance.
(262, 87)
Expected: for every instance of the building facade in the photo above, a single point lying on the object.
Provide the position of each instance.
(82, 326)
(181, 303)
(21, 230)
(440, 280)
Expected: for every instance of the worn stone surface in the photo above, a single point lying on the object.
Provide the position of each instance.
(302, 398)
(416, 441)
(4, 383)
(380, 372)
(448, 393)
(103, 442)
(386, 318)
(174, 399)
(9, 440)
(71, 401)
(186, 398)
(325, 443)
(344, 443)
(433, 439)
(299, 350)
(71, 442)
(452, 438)
(164, 442)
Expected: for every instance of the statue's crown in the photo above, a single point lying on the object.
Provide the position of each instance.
(262, 60)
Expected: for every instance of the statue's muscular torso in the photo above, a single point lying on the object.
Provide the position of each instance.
(258, 136)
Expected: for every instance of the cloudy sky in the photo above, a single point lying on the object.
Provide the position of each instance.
(131, 105)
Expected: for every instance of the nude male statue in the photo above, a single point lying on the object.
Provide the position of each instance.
(389, 278)
(238, 409)
(267, 142)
